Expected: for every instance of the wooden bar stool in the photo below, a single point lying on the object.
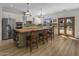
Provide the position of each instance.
(51, 32)
(45, 34)
(41, 36)
(32, 39)
(15, 37)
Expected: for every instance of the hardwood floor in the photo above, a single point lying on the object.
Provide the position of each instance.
(60, 46)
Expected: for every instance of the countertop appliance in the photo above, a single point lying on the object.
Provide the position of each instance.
(19, 25)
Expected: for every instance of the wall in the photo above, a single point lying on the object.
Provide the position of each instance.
(18, 17)
(69, 13)
(0, 23)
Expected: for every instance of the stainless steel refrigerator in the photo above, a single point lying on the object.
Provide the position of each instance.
(8, 24)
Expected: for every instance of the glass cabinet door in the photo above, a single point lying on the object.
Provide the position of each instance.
(61, 26)
(70, 26)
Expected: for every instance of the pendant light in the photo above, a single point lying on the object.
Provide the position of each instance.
(28, 10)
(40, 16)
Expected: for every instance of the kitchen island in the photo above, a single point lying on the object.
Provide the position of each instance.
(21, 34)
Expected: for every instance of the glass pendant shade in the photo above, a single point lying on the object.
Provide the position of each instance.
(28, 11)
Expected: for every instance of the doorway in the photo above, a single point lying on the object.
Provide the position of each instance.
(66, 26)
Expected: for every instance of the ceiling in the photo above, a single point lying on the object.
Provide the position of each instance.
(35, 8)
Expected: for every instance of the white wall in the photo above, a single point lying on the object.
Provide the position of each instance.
(0, 23)
(69, 13)
(17, 17)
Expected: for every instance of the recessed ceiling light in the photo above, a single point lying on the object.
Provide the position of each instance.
(11, 5)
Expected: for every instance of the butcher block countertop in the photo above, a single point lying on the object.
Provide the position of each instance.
(29, 29)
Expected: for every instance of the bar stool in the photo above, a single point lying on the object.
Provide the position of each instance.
(41, 36)
(51, 32)
(32, 39)
(15, 38)
(14, 35)
(45, 34)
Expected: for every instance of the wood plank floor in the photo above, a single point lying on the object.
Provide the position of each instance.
(60, 46)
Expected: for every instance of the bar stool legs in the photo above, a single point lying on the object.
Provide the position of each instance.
(32, 39)
(30, 46)
(41, 38)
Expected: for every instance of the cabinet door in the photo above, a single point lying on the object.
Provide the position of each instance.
(4, 28)
(61, 26)
(70, 26)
